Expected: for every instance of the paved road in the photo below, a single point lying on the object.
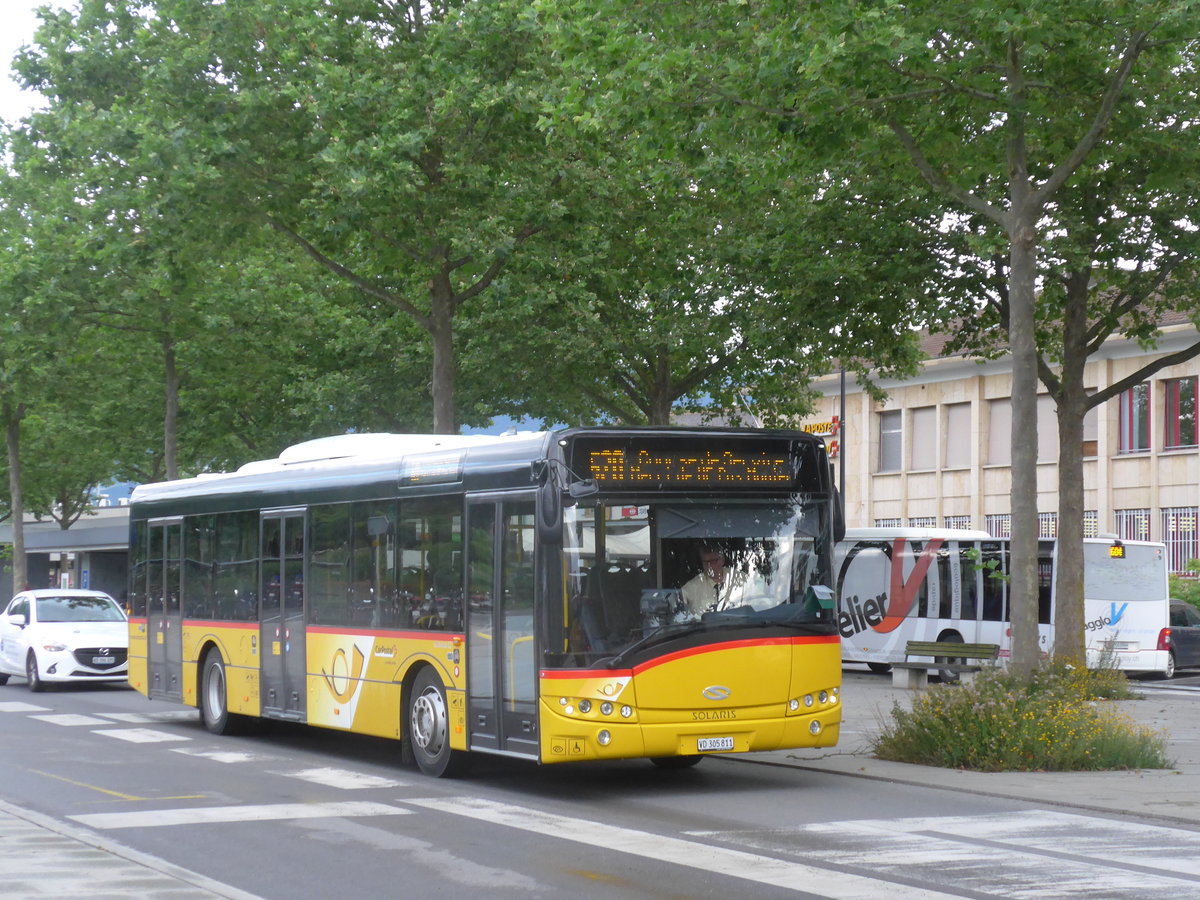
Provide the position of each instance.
(44, 857)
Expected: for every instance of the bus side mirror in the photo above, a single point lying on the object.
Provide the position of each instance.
(549, 511)
(839, 516)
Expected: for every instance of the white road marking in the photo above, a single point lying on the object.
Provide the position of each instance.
(705, 857)
(69, 719)
(342, 778)
(213, 814)
(129, 718)
(140, 735)
(1030, 854)
(18, 706)
(221, 756)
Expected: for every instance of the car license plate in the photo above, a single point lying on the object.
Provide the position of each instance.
(103, 660)
(721, 743)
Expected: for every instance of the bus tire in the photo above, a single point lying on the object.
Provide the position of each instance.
(429, 728)
(676, 762)
(948, 676)
(880, 668)
(214, 696)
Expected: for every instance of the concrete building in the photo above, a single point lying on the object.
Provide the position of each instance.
(92, 553)
(937, 452)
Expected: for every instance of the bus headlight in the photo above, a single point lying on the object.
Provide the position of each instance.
(823, 696)
(626, 712)
(585, 706)
(808, 699)
(814, 726)
(606, 708)
(604, 738)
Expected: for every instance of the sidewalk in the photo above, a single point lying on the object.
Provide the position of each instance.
(1172, 794)
(42, 857)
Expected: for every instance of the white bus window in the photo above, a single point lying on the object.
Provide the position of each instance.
(993, 566)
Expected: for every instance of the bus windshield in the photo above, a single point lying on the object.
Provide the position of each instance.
(638, 573)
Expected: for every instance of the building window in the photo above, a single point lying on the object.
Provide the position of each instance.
(1047, 426)
(1180, 536)
(1134, 419)
(922, 521)
(922, 441)
(1091, 523)
(887, 523)
(1048, 525)
(1000, 432)
(890, 444)
(998, 525)
(1132, 524)
(1179, 412)
(959, 522)
(1091, 431)
(957, 451)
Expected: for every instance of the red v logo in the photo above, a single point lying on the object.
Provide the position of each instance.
(903, 593)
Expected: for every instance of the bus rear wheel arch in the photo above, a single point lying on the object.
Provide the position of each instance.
(429, 727)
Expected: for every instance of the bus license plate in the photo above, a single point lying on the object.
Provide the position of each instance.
(721, 743)
(103, 660)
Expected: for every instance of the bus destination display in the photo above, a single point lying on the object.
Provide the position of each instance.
(621, 466)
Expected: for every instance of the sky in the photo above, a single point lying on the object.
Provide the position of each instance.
(18, 21)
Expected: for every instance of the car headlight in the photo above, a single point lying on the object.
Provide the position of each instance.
(54, 646)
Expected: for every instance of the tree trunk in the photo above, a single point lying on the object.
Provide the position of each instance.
(1072, 407)
(441, 333)
(12, 441)
(170, 410)
(1023, 584)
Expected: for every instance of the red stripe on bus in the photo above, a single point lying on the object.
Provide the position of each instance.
(681, 654)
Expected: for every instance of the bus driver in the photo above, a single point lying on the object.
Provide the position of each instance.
(715, 586)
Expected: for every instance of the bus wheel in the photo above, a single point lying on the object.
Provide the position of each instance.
(214, 696)
(429, 728)
(676, 762)
(880, 668)
(948, 676)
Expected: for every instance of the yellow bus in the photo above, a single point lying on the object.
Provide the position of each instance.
(524, 595)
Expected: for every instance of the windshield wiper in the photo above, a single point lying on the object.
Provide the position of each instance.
(671, 629)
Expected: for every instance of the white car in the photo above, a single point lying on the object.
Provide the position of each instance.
(63, 635)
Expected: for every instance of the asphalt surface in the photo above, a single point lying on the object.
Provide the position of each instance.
(43, 857)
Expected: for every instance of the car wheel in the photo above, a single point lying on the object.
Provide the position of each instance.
(429, 728)
(1170, 670)
(214, 696)
(31, 674)
(676, 762)
(949, 676)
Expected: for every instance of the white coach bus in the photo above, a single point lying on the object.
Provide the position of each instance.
(896, 585)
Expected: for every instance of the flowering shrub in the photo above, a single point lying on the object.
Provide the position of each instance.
(1056, 721)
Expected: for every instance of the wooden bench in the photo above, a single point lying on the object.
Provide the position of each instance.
(961, 658)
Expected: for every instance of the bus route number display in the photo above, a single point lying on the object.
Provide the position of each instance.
(611, 466)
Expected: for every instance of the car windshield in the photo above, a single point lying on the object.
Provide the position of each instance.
(78, 609)
(640, 574)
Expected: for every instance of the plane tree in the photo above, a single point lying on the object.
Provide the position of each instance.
(1006, 112)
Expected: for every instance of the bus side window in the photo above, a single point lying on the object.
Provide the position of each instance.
(968, 585)
(1045, 569)
(992, 569)
(945, 585)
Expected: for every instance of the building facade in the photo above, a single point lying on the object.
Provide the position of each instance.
(937, 452)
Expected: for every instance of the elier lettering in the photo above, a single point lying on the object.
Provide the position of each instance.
(856, 616)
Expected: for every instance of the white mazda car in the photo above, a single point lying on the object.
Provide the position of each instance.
(63, 636)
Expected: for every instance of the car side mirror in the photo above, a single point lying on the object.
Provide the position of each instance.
(18, 619)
